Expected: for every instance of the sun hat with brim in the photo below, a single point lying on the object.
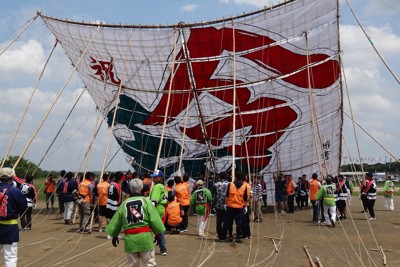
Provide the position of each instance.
(6, 173)
(200, 182)
(157, 173)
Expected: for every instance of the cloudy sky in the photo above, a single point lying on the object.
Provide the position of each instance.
(374, 92)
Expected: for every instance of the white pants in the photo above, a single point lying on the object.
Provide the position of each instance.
(10, 254)
(147, 257)
(332, 212)
(348, 197)
(389, 205)
(201, 224)
(69, 206)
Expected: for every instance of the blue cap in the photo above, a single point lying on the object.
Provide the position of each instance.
(157, 173)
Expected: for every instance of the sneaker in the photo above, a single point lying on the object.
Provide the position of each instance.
(333, 223)
(229, 240)
(86, 230)
(100, 230)
(239, 241)
(372, 219)
(202, 235)
(283, 212)
(109, 237)
(164, 253)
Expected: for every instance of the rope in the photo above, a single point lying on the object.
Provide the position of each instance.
(27, 106)
(20, 33)
(59, 131)
(373, 138)
(234, 103)
(167, 107)
(54, 101)
(372, 44)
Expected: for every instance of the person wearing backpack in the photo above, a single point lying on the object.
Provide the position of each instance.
(201, 198)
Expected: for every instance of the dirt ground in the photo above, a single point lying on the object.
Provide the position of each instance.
(351, 243)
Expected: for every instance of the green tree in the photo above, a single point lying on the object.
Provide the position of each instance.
(24, 167)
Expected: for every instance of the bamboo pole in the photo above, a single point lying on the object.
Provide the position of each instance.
(319, 263)
(309, 257)
(383, 255)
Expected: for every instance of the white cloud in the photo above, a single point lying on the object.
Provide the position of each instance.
(256, 3)
(25, 57)
(190, 7)
(373, 91)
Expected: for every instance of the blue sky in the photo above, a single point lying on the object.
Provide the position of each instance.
(374, 93)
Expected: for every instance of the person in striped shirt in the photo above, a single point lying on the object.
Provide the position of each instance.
(256, 193)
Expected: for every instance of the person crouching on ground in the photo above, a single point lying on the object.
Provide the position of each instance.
(13, 203)
(138, 218)
(174, 214)
(327, 193)
(201, 199)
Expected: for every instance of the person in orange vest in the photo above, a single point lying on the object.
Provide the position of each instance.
(86, 192)
(182, 191)
(50, 188)
(291, 192)
(236, 207)
(315, 185)
(174, 214)
(102, 192)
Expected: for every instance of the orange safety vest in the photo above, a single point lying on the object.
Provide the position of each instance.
(50, 186)
(84, 190)
(314, 187)
(236, 196)
(174, 213)
(102, 192)
(182, 193)
(290, 187)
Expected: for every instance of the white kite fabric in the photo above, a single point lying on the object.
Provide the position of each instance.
(282, 63)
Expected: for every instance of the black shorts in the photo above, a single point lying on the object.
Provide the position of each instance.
(102, 210)
(341, 205)
(110, 213)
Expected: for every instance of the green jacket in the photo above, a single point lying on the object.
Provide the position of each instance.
(327, 194)
(388, 189)
(136, 212)
(159, 195)
(200, 197)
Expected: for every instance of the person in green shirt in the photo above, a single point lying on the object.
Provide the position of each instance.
(327, 194)
(138, 218)
(388, 189)
(159, 197)
(201, 198)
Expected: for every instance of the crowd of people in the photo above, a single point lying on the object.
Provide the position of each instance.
(328, 196)
(141, 208)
